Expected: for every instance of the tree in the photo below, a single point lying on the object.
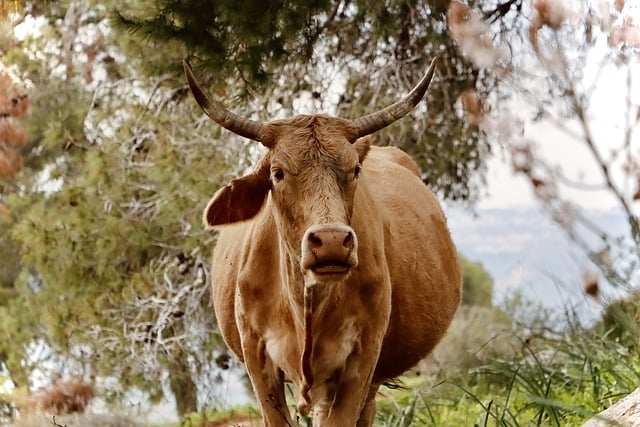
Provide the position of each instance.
(14, 103)
(477, 284)
(112, 273)
(557, 61)
(104, 218)
(347, 58)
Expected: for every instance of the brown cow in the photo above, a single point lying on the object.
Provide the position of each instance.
(334, 270)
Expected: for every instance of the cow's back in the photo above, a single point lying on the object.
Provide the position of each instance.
(421, 258)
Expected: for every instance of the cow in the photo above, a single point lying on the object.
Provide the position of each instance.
(334, 269)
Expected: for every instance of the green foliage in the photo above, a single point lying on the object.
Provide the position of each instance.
(477, 284)
(553, 379)
(621, 321)
(234, 416)
(251, 37)
(343, 58)
(105, 268)
(127, 204)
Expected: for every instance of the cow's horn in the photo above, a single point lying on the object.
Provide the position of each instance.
(374, 122)
(215, 110)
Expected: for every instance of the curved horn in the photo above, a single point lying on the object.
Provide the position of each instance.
(237, 124)
(374, 122)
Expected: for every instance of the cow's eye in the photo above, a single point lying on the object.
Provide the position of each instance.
(356, 171)
(278, 175)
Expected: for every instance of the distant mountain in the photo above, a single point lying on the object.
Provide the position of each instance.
(525, 252)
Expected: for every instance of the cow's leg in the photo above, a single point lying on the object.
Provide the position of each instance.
(270, 396)
(348, 404)
(321, 412)
(267, 381)
(353, 390)
(368, 413)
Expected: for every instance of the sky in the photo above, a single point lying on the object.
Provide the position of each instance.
(606, 118)
(509, 232)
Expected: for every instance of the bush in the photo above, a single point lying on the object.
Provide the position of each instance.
(476, 335)
(621, 321)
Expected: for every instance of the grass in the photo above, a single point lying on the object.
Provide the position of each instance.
(554, 379)
(497, 373)
(488, 371)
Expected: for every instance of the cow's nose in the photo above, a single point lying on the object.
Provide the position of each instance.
(331, 241)
(329, 249)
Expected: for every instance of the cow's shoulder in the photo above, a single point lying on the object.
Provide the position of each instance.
(247, 252)
(243, 264)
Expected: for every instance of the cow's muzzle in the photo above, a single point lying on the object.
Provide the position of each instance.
(329, 251)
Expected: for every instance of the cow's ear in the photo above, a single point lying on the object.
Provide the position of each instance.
(362, 146)
(241, 199)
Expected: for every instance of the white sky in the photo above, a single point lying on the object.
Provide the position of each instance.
(607, 116)
(508, 190)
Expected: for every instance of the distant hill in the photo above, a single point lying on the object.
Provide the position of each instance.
(525, 251)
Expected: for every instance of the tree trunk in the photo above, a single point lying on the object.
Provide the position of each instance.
(182, 385)
(626, 412)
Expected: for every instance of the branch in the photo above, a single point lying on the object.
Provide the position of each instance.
(501, 10)
(589, 140)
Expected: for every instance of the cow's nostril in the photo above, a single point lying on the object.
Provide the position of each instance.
(314, 241)
(348, 241)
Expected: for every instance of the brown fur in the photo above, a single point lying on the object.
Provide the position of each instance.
(374, 323)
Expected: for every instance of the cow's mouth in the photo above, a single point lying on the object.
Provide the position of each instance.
(331, 267)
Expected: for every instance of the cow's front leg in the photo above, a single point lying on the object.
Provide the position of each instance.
(368, 412)
(267, 381)
(354, 390)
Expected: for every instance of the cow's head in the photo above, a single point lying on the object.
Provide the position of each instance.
(311, 171)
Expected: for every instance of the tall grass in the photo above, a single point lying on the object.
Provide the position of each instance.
(554, 378)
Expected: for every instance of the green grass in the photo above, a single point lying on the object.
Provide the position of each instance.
(554, 379)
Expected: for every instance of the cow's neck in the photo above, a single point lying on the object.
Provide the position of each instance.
(292, 282)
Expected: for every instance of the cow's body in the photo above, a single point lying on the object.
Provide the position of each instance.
(327, 277)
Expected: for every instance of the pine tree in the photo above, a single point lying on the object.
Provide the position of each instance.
(347, 58)
(14, 103)
(108, 267)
